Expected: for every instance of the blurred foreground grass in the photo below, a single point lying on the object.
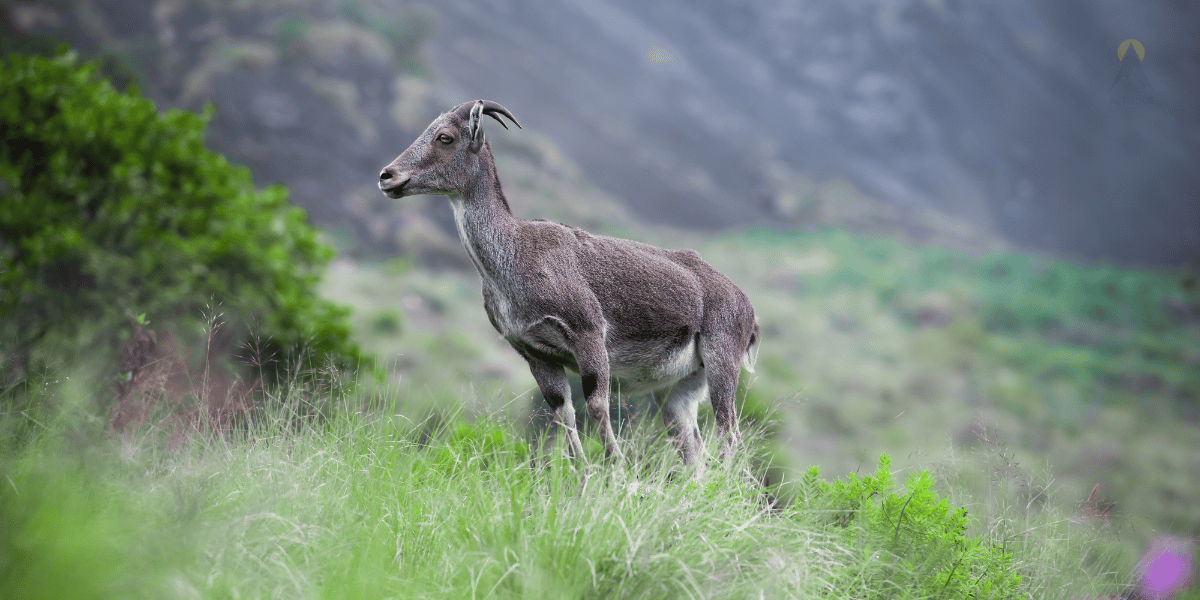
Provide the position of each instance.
(364, 503)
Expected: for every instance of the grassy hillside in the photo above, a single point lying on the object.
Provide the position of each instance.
(1091, 370)
(365, 503)
(1078, 375)
(1002, 383)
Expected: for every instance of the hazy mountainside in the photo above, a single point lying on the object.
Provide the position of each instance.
(315, 95)
(1003, 113)
(958, 121)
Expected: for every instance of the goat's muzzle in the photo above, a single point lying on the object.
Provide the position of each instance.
(392, 183)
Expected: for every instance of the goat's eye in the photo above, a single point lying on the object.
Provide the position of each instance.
(445, 139)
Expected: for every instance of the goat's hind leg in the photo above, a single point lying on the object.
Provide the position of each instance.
(722, 364)
(552, 381)
(679, 415)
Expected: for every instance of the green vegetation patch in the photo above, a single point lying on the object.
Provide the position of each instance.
(928, 551)
(1101, 329)
(111, 209)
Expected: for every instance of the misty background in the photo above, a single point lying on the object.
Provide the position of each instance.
(1001, 121)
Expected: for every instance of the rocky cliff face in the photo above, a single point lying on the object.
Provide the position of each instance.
(935, 119)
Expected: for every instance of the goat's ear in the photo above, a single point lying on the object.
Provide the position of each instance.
(475, 128)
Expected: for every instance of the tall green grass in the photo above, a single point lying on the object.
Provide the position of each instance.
(359, 502)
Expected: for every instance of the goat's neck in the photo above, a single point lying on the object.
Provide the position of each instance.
(485, 223)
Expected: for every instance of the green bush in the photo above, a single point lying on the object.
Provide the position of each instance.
(109, 209)
(927, 549)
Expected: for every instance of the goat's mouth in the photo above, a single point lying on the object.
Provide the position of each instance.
(395, 190)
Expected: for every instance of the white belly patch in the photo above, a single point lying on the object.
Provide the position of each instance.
(636, 374)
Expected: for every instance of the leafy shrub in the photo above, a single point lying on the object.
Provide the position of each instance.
(930, 554)
(110, 209)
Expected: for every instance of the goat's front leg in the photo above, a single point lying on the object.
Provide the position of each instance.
(592, 358)
(552, 381)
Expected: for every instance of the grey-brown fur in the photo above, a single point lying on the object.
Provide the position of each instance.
(624, 315)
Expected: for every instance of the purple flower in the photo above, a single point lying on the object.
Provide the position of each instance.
(1167, 567)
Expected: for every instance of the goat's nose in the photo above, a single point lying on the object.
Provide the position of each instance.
(385, 175)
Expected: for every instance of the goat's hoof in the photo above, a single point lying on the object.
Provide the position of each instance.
(587, 477)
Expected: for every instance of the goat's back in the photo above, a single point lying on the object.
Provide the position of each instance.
(654, 302)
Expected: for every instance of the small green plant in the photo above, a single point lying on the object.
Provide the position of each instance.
(923, 543)
(473, 448)
(387, 322)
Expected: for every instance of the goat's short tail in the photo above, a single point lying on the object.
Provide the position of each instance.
(750, 356)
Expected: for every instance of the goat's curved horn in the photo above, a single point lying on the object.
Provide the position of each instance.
(490, 109)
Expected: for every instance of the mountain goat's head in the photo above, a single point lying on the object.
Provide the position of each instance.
(443, 158)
